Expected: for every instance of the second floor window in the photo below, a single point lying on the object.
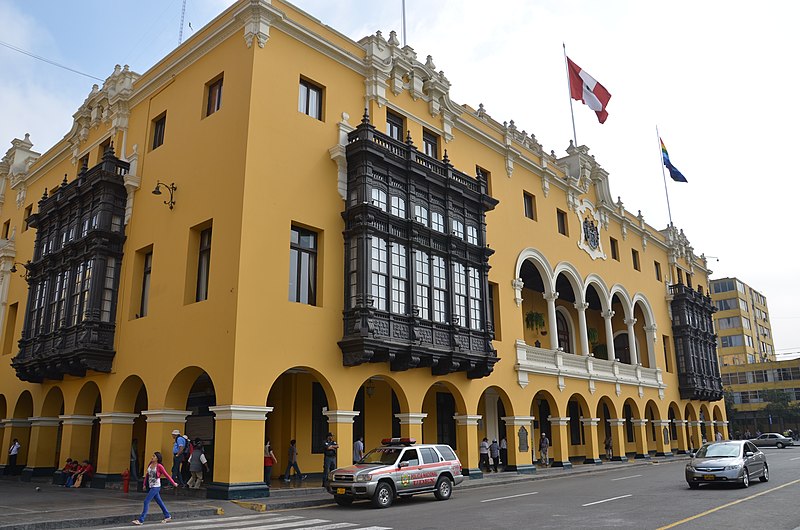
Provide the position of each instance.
(146, 271)
(394, 126)
(437, 221)
(159, 128)
(635, 259)
(430, 144)
(303, 267)
(529, 201)
(214, 96)
(309, 101)
(562, 222)
(203, 265)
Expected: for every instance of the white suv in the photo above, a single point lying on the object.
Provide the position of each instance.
(397, 468)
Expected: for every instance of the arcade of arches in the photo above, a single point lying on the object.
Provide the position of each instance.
(101, 423)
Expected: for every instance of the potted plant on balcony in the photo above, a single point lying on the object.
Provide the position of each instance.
(535, 321)
(593, 337)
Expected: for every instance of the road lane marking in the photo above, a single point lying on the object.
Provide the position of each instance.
(510, 496)
(607, 500)
(795, 458)
(718, 508)
(625, 478)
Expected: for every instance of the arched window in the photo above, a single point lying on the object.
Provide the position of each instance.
(621, 349)
(563, 332)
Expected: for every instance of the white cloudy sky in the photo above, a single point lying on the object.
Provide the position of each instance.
(715, 76)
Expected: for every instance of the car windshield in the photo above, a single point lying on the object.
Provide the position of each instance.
(719, 451)
(381, 455)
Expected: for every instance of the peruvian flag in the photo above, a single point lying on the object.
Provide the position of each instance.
(585, 88)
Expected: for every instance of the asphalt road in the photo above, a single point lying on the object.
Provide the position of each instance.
(652, 497)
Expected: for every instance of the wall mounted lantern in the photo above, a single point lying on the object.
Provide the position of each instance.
(170, 188)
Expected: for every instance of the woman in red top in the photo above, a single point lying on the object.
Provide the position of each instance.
(152, 477)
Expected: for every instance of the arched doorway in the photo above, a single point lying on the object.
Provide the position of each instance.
(564, 332)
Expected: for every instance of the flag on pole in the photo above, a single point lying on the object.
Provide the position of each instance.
(673, 171)
(586, 89)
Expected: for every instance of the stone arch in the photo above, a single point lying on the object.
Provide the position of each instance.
(674, 416)
(575, 413)
(53, 404)
(717, 413)
(442, 401)
(605, 410)
(538, 260)
(24, 406)
(647, 308)
(652, 414)
(690, 412)
(132, 398)
(624, 297)
(86, 404)
(3, 407)
(573, 277)
(647, 326)
(599, 285)
(127, 394)
(379, 400)
(181, 384)
(494, 404)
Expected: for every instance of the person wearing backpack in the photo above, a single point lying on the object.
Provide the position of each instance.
(178, 451)
(197, 461)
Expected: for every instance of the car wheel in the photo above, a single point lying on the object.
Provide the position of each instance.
(383, 496)
(444, 488)
(745, 478)
(343, 500)
(765, 476)
(693, 485)
(779, 445)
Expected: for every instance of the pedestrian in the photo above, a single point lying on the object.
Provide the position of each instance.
(269, 461)
(152, 476)
(83, 475)
(504, 452)
(718, 436)
(544, 446)
(747, 434)
(292, 463)
(13, 451)
(483, 453)
(329, 461)
(178, 448)
(494, 452)
(609, 444)
(134, 461)
(358, 449)
(197, 462)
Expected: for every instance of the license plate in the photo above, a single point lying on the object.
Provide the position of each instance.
(709, 477)
(340, 491)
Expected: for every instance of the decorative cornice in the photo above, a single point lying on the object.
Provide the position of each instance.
(240, 412)
(117, 418)
(16, 422)
(467, 419)
(518, 421)
(341, 416)
(166, 416)
(76, 419)
(411, 418)
(40, 421)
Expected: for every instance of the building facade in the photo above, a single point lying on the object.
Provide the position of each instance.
(742, 323)
(336, 246)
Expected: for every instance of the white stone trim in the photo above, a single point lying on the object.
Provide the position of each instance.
(518, 421)
(240, 412)
(17, 422)
(341, 416)
(558, 421)
(467, 419)
(639, 423)
(411, 418)
(680, 423)
(695, 424)
(117, 418)
(590, 422)
(76, 419)
(661, 423)
(166, 416)
(43, 421)
(616, 422)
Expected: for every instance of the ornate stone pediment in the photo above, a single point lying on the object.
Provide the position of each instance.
(590, 222)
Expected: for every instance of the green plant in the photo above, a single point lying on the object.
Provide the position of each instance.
(593, 336)
(534, 320)
(601, 351)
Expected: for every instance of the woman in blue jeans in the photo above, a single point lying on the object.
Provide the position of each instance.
(152, 476)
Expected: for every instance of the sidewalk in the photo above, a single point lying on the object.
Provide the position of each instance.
(23, 507)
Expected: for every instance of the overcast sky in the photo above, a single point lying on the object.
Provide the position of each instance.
(716, 77)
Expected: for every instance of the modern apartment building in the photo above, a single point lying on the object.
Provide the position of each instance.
(742, 323)
(335, 245)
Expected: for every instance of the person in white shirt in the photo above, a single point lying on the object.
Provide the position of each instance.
(13, 451)
(358, 449)
(719, 436)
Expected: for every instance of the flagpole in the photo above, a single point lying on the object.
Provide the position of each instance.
(663, 175)
(404, 22)
(569, 95)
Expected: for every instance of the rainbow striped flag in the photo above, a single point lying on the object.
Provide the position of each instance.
(673, 171)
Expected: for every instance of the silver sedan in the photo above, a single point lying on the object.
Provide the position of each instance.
(772, 439)
(735, 461)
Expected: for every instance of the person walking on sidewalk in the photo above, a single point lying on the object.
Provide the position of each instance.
(483, 453)
(504, 452)
(544, 447)
(269, 461)
(152, 475)
(609, 445)
(329, 462)
(292, 463)
(13, 451)
(358, 449)
(494, 452)
(197, 462)
(178, 449)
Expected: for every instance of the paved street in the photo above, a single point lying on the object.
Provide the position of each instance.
(654, 496)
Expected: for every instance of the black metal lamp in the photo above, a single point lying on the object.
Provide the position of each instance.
(170, 188)
(14, 269)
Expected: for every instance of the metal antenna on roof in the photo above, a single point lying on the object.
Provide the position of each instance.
(183, 14)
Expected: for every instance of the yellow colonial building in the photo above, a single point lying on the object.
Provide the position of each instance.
(336, 245)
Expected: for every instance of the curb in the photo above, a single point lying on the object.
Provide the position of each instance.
(112, 520)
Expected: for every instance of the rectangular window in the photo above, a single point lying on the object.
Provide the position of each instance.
(421, 214)
(635, 259)
(423, 281)
(159, 127)
(437, 221)
(614, 249)
(107, 296)
(11, 325)
(658, 270)
(75, 302)
(6, 228)
(379, 198)
(430, 144)
(353, 272)
(472, 235)
(203, 265)
(494, 310)
(397, 206)
(439, 289)
(479, 171)
(457, 228)
(529, 202)
(460, 295)
(680, 276)
(26, 214)
(475, 309)
(667, 355)
(147, 269)
(399, 279)
(379, 263)
(561, 217)
(310, 100)
(303, 266)
(86, 288)
(394, 126)
(213, 96)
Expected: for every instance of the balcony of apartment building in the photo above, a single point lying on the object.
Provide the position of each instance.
(579, 328)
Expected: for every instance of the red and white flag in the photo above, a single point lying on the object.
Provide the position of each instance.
(585, 88)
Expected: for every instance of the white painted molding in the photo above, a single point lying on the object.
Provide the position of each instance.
(117, 418)
(76, 419)
(166, 416)
(411, 418)
(41, 421)
(519, 421)
(467, 419)
(341, 416)
(240, 412)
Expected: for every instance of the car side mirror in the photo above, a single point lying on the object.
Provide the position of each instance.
(691, 454)
(402, 464)
(749, 453)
